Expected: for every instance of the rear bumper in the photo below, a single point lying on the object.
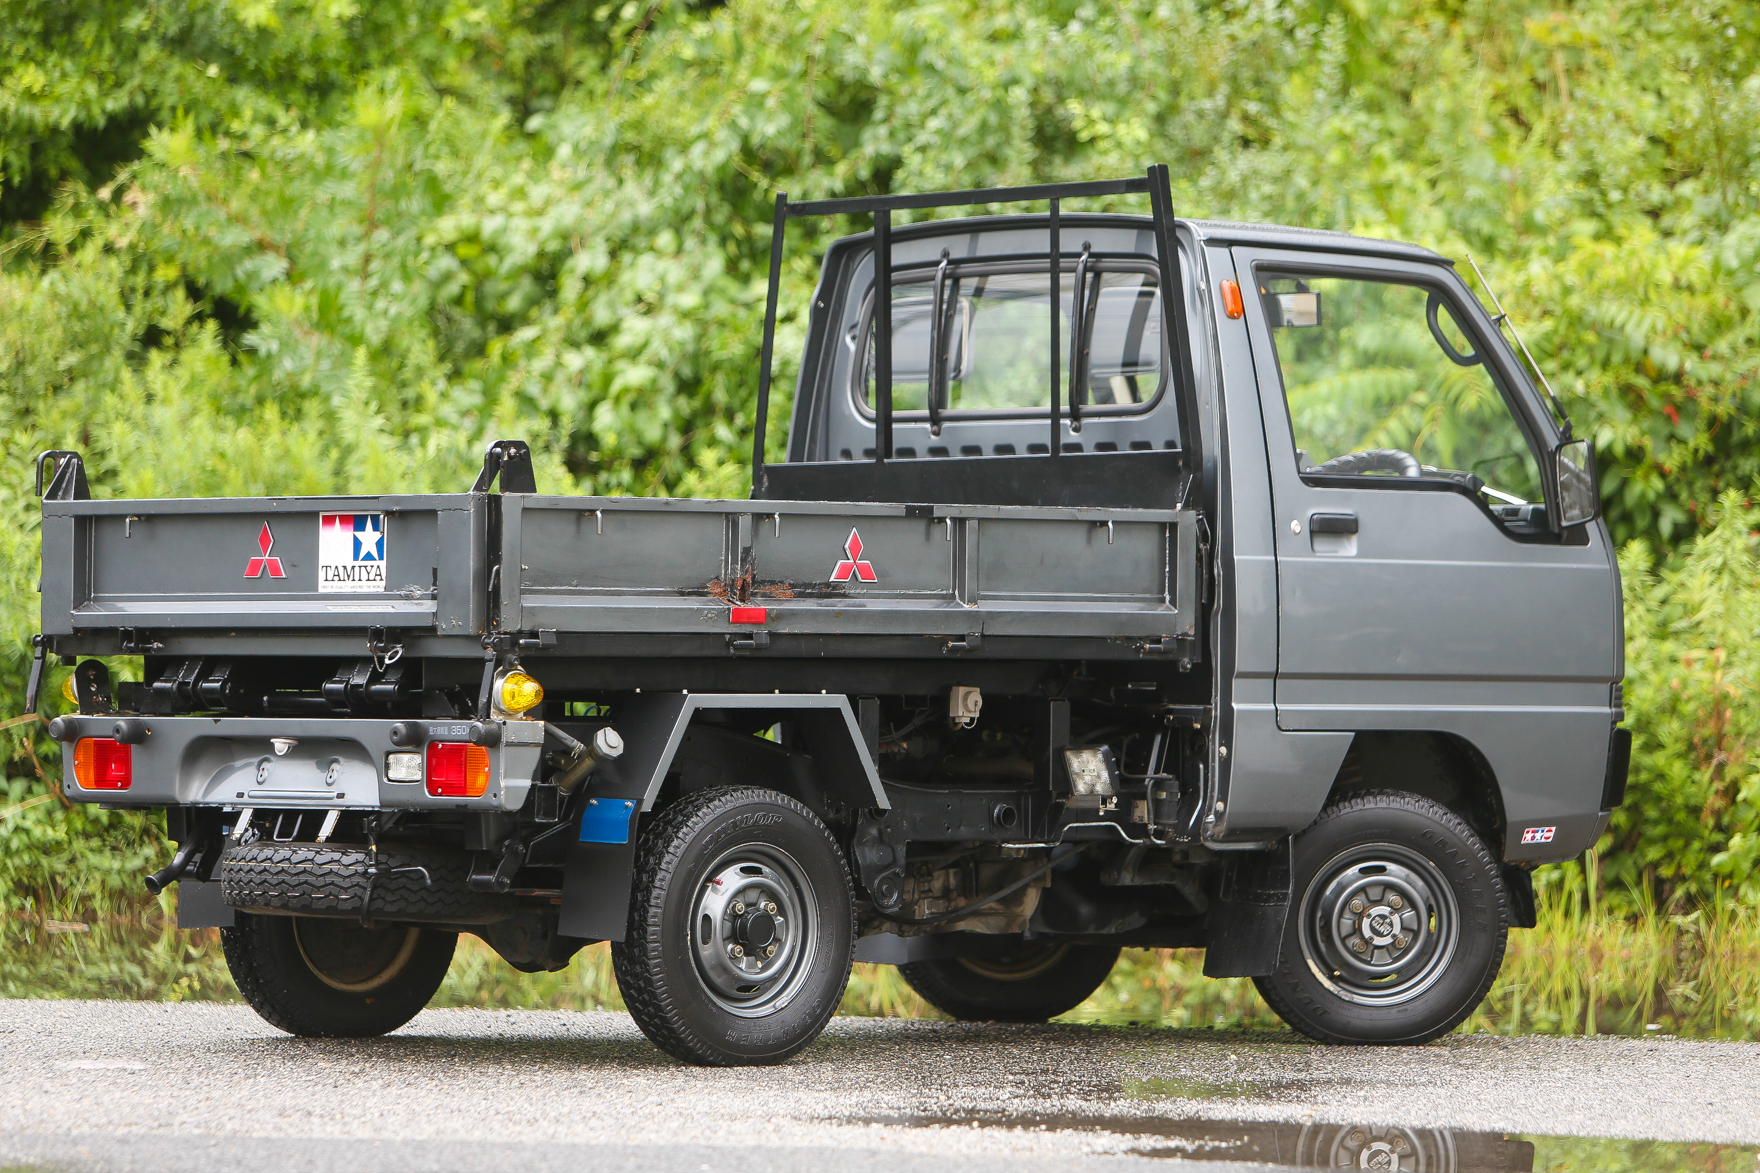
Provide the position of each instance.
(332, 762)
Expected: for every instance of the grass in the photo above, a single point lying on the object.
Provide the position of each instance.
(1585, 970)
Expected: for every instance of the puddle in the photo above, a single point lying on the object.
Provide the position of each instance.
(1386, 1148)
(1198, 1089)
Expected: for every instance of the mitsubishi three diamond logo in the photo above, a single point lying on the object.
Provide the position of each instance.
(256, 566)
(853, 563)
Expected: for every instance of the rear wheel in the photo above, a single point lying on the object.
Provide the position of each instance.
(1397, 924)
(742, 929)
(325, 977)
(1034, 983)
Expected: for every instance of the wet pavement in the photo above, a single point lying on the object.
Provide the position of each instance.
(135, 1086)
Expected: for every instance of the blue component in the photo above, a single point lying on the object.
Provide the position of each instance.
(607, 820)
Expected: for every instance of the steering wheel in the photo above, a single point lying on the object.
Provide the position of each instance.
(1355, 464)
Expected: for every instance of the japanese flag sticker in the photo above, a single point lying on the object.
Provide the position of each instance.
(351, 552)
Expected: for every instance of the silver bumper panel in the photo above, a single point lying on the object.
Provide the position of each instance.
(274, 763)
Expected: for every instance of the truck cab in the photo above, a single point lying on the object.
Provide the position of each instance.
(1273, 618)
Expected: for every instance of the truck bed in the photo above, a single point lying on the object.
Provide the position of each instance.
(451, 568)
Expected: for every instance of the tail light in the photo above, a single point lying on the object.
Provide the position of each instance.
(103, 763)
(457, 769)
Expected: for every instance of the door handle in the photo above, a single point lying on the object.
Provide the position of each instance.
(1332, 523)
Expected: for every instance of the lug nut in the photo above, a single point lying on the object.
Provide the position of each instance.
(737, 951)
(770, 907)
(1357, 1138)
(1357, 904)
(1360, 945)
(1400, 942)
(1394, 901)
(739, 909)
(770, 951)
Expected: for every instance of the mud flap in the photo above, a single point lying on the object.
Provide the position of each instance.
(1518, 886)
(199, 906)
(596, 890)
(1245, 925)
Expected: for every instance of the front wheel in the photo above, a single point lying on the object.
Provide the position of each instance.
(742, 929)
(1033, 983)
(328, 978)
(1397, 923)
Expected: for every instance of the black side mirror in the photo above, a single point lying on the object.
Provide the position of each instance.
(1579, 499)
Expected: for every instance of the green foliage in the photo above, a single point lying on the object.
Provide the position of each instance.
(293, 246)
(1691, 821)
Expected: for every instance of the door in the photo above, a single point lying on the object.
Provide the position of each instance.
(1420, 582)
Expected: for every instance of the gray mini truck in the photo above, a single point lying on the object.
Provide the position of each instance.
(1274, 618)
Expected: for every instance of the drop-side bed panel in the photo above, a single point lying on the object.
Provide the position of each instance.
(670, 566)
(254, 562)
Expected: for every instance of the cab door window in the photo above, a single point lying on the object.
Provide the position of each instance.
(1385, 388)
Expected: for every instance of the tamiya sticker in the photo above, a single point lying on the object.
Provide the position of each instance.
(853, 564)
(351, 552)
(1539, 834)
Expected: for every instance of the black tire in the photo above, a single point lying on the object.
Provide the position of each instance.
(697, 867)
(412, 882)
(1035, 983)
(1397, 926)
(326, 978)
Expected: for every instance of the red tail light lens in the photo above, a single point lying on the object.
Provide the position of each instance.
(457, 769)
(102, 763)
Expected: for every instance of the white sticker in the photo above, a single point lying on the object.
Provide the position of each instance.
(351, 552)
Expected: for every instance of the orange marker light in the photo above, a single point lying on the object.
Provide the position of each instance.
(1231, 298)
(102, 763)
(457, 769)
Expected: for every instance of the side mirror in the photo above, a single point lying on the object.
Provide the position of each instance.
(1579, 501)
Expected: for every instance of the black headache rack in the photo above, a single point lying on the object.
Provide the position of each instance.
(1153, 479)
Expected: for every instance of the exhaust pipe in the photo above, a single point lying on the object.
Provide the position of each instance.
(173, 871)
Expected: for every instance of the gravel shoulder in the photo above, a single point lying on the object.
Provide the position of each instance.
(119, 1085)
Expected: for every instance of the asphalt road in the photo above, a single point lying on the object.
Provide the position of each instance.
(191, 1088)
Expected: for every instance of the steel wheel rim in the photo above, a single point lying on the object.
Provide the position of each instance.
(754, 929)
(1017, 967)
(346, 972)
(1379, 925)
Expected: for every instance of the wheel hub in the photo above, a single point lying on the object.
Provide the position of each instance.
(1379, 926)
(752, 929)
(755, 930)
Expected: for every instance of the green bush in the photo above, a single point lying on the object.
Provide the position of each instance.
(318, 245)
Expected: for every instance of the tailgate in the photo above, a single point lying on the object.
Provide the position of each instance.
(299, 562)
(662, 565)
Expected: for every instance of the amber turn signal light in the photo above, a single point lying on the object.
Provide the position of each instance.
(1231, 298)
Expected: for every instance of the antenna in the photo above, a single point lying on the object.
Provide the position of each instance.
(1500, 320)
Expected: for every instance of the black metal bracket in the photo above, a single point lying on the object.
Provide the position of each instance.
(40, 649)
(512, 461)
(544, 641)
(136, 641)
(68, 482)
(1155, 183)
